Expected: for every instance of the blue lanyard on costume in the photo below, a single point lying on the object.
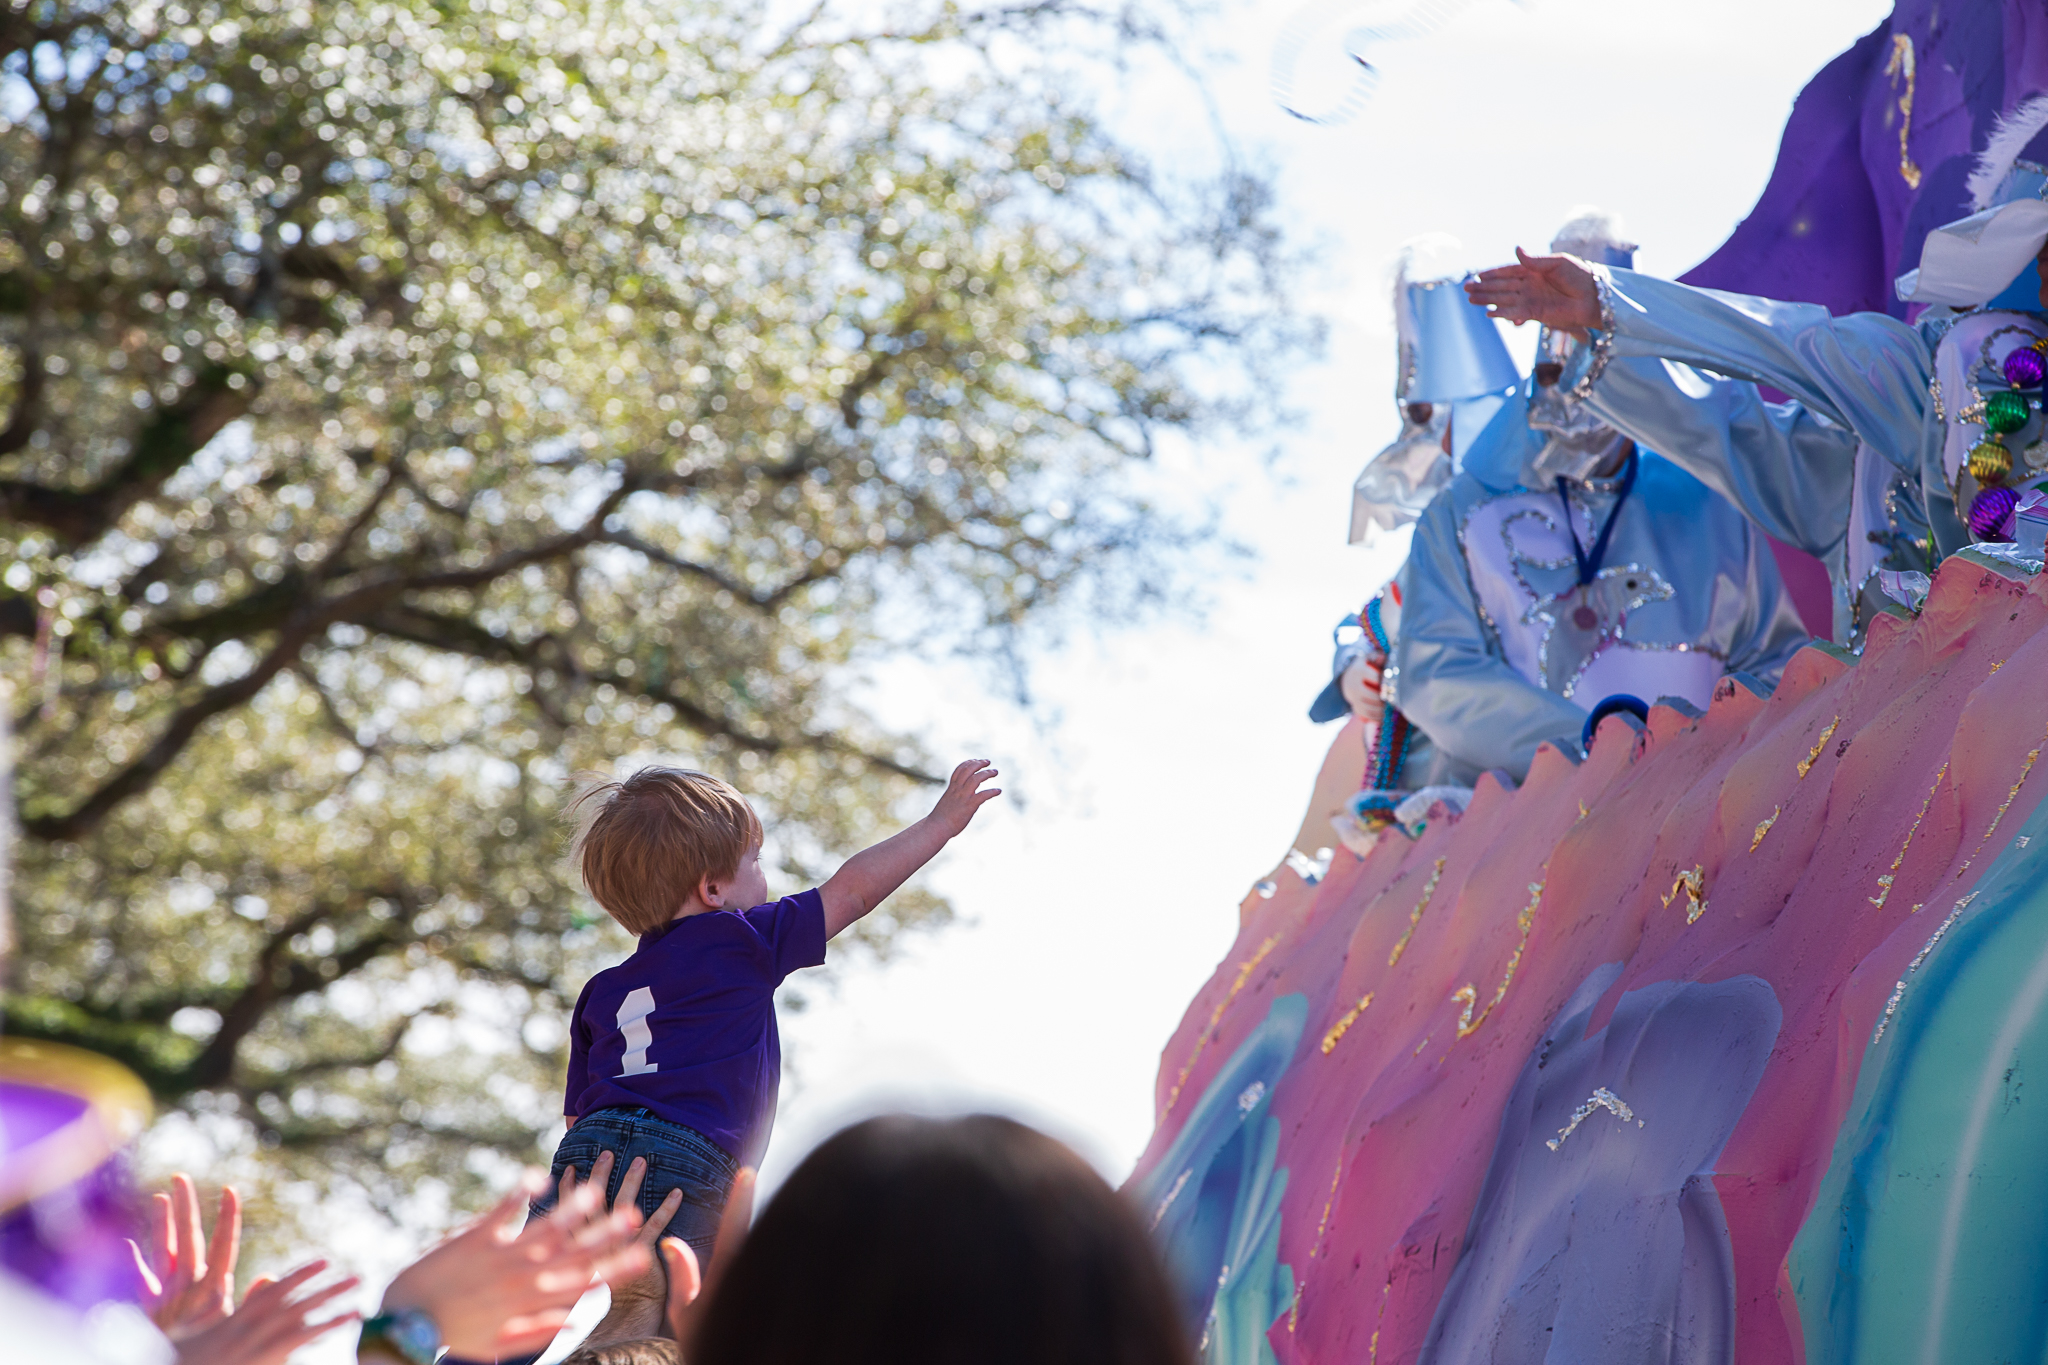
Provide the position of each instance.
(1589, 564)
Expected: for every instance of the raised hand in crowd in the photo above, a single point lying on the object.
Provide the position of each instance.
(271, 1321)
(1557, 291)
(188, 1281)
(494, 1290)
(870, 876)
(188, 1287)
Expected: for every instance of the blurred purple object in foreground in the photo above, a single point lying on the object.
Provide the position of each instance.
(66, 1208)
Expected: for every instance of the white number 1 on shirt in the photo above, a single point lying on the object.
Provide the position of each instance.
(633, 1027)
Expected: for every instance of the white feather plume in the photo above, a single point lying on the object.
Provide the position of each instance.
(1594, 228)
(2009, 137)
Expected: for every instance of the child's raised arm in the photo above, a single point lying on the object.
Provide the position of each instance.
(871, 874)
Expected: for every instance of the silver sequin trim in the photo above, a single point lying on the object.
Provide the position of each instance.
(1601, 1098)
(1898, 992)
(1603, 337)
(1655, 588)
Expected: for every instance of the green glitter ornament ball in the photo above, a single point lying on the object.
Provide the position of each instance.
(2005, 412)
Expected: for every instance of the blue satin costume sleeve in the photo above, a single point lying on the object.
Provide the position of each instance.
(1867, 373)
(1453, 682)
(1790, 473)
(1770, 632)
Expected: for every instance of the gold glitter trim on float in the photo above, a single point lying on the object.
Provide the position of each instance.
(1899, 990)
(1694, 885)
(1322, 1227)
(2010, 796)
(1468, 996)
(1343, 1025)
(1415, 916)
(1901, 64)
(1372, 1353)
(1885, 882)
(1244, 974)
(1172, 1195)
(1763, 827)
(1805, 765)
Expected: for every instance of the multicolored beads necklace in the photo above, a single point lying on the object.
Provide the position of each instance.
(1390, 752)
(2003, 412)
(1375, 806)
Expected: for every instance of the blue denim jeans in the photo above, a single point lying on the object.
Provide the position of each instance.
(677, 1158)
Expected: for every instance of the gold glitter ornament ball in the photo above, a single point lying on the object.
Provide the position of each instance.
(1990, 462)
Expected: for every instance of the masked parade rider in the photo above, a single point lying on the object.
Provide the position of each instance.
(1381, 770)
(1563, 566)
(1938, 440)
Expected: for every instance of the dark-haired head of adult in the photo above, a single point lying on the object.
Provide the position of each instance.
(917, 1241)
(640, 1351)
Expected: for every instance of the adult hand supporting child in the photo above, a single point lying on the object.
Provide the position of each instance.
(871, 875)
(665, 1300)
(637, 1302)
(494, 1291)
(689, 1293)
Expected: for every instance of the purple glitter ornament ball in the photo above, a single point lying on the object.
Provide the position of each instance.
(2024, 368)
(1991, 512)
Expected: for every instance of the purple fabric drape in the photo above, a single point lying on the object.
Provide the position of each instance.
(1876, 153)
(1877, 150)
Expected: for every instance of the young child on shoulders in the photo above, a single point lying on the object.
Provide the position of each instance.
(674, 1054)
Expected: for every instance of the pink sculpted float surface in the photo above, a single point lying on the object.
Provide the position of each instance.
(1564, 1077)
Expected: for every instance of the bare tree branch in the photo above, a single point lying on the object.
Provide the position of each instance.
(162, 447)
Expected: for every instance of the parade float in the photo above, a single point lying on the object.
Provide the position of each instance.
(1722, 1041)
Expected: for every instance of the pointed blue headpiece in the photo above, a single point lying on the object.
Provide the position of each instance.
(1450, 349)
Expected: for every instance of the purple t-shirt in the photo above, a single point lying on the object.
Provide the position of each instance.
(686, 1025)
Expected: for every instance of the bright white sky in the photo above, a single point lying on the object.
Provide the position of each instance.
(1099, 896)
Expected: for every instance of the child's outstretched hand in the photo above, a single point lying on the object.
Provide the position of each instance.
(964, 796)
(870, 875)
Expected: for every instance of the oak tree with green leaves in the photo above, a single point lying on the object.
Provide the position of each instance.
(406, 405)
